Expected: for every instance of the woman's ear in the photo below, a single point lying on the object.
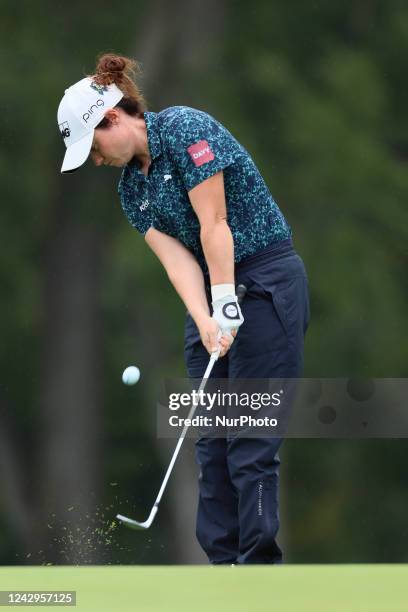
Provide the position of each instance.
(112, 116)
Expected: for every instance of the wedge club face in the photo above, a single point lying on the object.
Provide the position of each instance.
(132, 524)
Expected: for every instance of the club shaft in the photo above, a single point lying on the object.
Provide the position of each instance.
(207, 373)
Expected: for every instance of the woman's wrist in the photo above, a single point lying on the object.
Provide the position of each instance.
(200, 315)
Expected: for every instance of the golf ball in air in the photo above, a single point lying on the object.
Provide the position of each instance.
(131, 375)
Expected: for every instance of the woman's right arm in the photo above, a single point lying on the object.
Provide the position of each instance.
(187, 278)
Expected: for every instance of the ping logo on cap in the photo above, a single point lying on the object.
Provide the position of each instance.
(86, 116)
(64, 129)
(201, 153)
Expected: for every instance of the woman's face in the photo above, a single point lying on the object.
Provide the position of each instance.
(112, 145)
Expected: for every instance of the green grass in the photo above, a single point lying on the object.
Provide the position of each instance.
(318, 588)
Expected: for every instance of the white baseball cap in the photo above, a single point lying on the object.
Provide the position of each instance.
(81, 109)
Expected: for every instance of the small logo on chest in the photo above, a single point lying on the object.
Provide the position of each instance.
(144, 205)
(167, 177)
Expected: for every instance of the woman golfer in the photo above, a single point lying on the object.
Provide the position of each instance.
(194, 193)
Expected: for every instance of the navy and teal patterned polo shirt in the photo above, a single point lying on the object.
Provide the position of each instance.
(187, 146)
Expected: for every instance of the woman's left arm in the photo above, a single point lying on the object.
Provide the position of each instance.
(187, 278)
(208, 202)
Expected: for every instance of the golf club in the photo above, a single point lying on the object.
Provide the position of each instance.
(241, 290)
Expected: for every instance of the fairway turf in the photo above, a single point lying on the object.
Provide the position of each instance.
(318, 588)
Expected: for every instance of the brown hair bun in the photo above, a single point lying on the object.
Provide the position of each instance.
(121, 70)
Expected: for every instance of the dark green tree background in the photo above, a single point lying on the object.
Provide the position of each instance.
(317, 94)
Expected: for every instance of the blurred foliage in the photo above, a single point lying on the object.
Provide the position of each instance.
(316, 93)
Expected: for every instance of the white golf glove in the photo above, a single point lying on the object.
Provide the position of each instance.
(226, 310)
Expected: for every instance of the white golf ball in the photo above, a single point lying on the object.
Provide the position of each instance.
(131, 375)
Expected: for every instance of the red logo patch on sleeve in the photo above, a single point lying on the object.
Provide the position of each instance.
(200, 153)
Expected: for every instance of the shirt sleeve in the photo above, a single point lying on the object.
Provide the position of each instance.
(139, 214)
(198, 144)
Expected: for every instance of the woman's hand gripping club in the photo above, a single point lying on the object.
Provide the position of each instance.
(218, 332)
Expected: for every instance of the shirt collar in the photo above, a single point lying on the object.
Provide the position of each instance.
(153, 134)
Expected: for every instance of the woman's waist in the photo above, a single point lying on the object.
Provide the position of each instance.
(275, 250)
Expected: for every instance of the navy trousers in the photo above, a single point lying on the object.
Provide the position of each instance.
(238, 509)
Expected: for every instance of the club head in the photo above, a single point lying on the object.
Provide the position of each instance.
(135, 524)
